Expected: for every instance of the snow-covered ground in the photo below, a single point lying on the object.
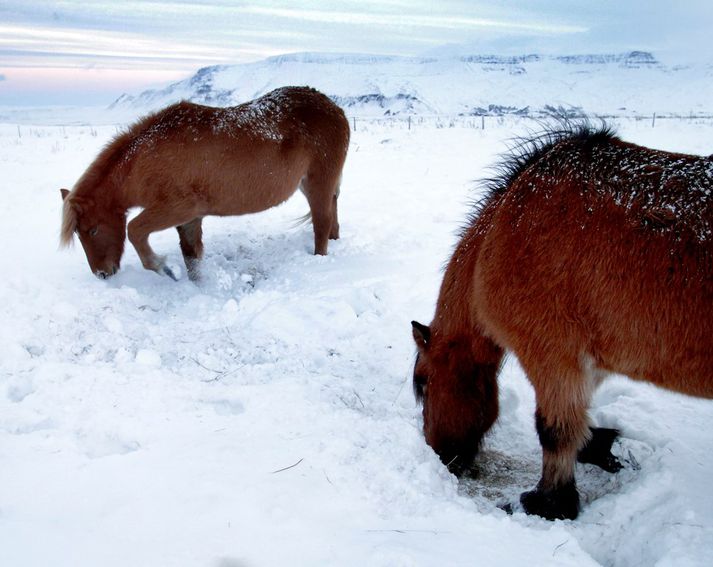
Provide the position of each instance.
(265, 417)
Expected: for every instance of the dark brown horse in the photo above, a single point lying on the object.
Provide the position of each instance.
(188, 161)
(588, 256)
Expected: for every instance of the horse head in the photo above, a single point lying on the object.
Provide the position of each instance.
(101, 230)
(459, 392)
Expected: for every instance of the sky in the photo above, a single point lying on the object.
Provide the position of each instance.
(91, 51)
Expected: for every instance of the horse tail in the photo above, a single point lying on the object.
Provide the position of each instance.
(299, 221)
(307, 218)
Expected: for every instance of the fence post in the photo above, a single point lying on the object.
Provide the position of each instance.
(409, 121)
(653, 121)
(482, 121)
(354, 120)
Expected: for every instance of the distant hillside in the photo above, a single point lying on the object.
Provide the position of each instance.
(366, 85)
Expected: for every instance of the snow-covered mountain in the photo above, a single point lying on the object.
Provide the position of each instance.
(366, 85)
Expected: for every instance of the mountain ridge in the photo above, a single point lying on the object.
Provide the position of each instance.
(633, 82)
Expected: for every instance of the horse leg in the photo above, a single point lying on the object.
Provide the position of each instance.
(148, 221)
(190, 236)
(562, 427)
(597, 450)
(334, 231)
(321, 197)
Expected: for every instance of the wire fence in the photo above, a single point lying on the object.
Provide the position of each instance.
(399, 122)
(484, 122)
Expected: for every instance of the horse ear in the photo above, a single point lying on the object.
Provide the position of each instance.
(64, 193)
(421, 334)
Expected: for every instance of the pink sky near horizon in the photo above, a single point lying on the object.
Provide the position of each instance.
(66, 85)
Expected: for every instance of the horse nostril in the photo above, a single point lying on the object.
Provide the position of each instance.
(114, 270)
(101, 275)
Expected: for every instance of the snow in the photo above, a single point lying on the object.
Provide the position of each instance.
(653, 183)
(266, 417)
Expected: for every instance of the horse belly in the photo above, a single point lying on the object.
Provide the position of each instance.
(241, 186)
(245, 197)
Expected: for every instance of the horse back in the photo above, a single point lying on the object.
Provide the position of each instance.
(240, 159)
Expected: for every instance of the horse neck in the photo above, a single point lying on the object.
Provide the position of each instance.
(453, 310)
(104, 190)
(455, 316)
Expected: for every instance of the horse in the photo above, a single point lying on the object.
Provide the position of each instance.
(188, 161)
(588, 255)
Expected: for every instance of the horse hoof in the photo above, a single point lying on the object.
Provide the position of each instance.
(559, 504)
(458, 464)
(597, 451)
(510, 507)
(166, 270)
(610, 464)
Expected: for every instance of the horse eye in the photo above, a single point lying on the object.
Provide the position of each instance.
(93, 231)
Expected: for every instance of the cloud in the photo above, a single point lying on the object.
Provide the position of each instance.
(26, 46)
(410, 20)
(92, 43)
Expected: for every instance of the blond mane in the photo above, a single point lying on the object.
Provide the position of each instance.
(69, 222)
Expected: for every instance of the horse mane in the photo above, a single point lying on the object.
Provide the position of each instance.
(103, 166)
(69, 222)
(523, 151)
(114, 151)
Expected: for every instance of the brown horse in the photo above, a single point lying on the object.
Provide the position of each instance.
(588, 256)
(188, 161)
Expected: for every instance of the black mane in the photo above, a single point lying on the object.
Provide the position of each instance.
(523, 151)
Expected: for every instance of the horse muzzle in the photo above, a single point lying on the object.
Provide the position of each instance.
(104, 274)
